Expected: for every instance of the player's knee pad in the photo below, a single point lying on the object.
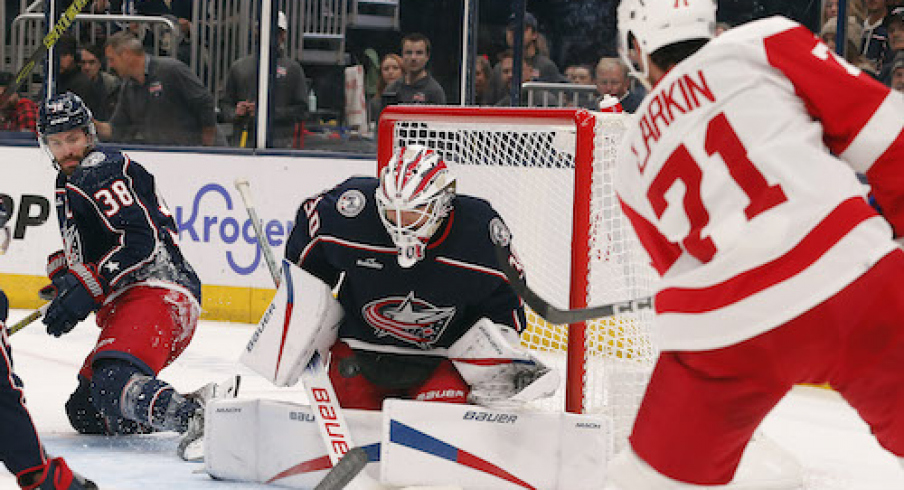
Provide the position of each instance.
(627, 470)
(85, 417)
(120, 388)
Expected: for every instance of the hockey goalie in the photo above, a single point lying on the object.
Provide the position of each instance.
(422, 314)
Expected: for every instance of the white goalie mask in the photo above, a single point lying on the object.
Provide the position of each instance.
(658, 23)
(414, 197)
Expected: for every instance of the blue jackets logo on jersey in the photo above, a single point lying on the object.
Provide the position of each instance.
(408, 319)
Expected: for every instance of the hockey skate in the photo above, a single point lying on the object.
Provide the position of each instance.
(191, 447)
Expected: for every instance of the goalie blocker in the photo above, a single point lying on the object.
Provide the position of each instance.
(302, 319)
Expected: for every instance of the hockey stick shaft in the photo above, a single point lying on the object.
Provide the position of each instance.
(48, 42)
(321, 395)
(560, 316)
(244, 189)
(28, 320)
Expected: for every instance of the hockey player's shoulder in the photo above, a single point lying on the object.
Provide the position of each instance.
(353, 196)
(757, 30)
(98, 168)
(479, 217)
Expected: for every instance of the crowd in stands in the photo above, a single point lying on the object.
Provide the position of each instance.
(140, 95)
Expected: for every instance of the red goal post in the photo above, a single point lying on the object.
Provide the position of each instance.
(549, 173)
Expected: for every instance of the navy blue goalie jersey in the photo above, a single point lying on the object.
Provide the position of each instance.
(422, 309)
(111, 216)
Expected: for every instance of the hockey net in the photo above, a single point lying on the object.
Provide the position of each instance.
(549, 173)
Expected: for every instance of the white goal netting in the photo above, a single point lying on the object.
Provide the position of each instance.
(549, 173)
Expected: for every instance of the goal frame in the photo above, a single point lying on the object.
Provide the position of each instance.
(583, 122)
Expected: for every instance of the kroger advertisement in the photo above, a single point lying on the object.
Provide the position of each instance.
(215, 232)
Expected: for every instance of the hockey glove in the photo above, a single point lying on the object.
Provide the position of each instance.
(79, 292)
(53, 475)
(56, 264)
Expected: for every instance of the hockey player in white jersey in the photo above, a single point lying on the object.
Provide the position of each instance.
(739, 175)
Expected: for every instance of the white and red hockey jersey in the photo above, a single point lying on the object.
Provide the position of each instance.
(729, 179)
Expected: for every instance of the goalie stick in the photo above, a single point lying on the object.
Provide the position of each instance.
(48, 42)
(319, 389)
(560, 316)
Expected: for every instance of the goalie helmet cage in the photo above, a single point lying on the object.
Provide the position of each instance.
(549, 173)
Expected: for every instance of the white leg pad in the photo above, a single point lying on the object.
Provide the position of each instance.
(277, 442)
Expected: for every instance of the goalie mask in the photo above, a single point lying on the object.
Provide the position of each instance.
(414, 197)
(658, 23)
(62, 114)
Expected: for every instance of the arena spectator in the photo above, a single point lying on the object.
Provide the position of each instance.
(483, 72)
(897, 73)
(542, 68)
(17, 113)
(539, 98)
(417, 86)
(894, 24)
(874, 43)
(390, 71)
(579, 74)
(103, 88)
(612, 79)
(71, 78)
(851, 51)
(161, 102)
(290, 94)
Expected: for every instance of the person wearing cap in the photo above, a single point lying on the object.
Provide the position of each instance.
(543, 69)
(894, 24)
(238, 102)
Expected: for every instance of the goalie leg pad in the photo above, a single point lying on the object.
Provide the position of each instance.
(302, 319)
(500, 375)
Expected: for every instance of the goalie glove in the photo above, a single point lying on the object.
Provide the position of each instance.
(500, 375)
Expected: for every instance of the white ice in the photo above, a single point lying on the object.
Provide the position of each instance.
(822, 431)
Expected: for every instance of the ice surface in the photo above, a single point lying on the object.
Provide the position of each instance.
(832, 444)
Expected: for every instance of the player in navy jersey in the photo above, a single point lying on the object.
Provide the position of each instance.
(418, 271)
(120, 260)
(20, 447)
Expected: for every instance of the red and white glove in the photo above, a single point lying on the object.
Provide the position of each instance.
(53, 475)
(56, 266)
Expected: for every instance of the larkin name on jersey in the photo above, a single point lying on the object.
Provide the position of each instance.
(110, 216)
(424, 308)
